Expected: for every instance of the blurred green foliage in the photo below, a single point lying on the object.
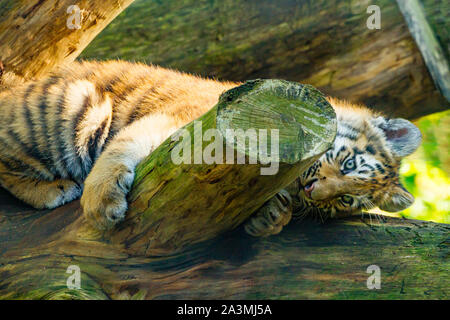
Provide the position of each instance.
(426, 173)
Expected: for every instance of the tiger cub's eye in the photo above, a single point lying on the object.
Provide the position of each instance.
(347, 199)
(349, 165)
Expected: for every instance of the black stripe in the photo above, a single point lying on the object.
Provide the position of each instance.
(14, 136)
(81, 114)
(384, 156)
(108, 86)
(135, 113)
(343, 148)
(58, 130)
(345, 158)
(43, 106)
(380, 168)
(29, 147)
(94, 142)
(76, 124)
(370, 149)
(387, 165)
(27, 115)
(348, 136)
(17, 165)
(327, 157)
(368, 166)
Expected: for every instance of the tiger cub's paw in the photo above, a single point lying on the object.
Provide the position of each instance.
(272, 217)
(60, 193)
(104, 198)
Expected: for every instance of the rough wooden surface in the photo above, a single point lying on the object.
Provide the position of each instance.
(429, 46)
(325, 43)
(308, 260)
(437, 13)
(35, 37)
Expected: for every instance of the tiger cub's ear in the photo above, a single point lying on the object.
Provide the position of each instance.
(396, 199)
(402, 137)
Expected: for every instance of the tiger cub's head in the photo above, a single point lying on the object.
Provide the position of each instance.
(361, 171)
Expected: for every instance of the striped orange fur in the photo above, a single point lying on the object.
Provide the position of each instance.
(81, 131)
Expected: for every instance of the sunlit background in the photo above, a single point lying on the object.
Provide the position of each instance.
(426, 172)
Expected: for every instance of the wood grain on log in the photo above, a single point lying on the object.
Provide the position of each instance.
(35, 37)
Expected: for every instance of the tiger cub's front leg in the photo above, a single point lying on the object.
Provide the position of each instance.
(107, 185)
(272, 216)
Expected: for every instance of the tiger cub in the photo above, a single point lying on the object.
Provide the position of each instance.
(359, 172)
(82, 130)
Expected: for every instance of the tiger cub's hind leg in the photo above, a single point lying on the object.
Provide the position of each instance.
(40, 194)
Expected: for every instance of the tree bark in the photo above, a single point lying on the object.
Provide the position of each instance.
(307, 260)
(40, 35)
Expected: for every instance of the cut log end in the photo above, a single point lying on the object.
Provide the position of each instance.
(304, 120)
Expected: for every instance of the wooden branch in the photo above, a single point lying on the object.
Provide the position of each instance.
(308, 260)
(38, 36)
(429, 46)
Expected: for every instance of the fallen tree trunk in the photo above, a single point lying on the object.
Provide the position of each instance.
(325, 43)
(308, 260)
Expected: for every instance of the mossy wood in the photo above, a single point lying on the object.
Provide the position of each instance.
(173, 205)
(308, 260)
